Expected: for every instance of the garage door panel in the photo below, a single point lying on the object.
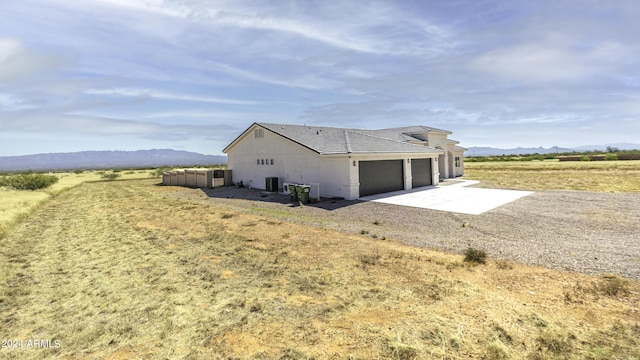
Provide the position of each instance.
(421, 173)
(381, 176)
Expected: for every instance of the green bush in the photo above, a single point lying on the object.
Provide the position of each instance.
(158, 172)
(475, 255)
(611, 157)
(111, 176)
(29, 181)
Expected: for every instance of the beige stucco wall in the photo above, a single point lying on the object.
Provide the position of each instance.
(459, 170)
(292, 163)
(439, 141)
(338, 175)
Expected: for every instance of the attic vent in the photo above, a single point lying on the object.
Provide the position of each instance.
(259, 133)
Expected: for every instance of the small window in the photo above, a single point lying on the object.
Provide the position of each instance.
(262, 162)
(271, 161)
(258, 161)
(259, 133)
(457, 161)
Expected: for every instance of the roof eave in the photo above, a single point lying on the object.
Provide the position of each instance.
(231, 144)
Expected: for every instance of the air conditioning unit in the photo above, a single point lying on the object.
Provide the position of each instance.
(285, 188)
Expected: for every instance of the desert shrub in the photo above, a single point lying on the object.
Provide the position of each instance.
(585, 158)
(612, 285)
(401, 351)
(495, 351)
(611, 157)
(369, 259)
(475, 255)
(555, 342)
(155, 173)
(503, 265)
(110, 176)
(158, 172)
(29, 181)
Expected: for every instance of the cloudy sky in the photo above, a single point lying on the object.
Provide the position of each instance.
(192, 74)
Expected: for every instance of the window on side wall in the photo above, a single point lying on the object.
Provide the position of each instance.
(258, 133)
(457, 161)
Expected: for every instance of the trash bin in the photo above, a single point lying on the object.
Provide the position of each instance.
(293, 192)
(303, 193)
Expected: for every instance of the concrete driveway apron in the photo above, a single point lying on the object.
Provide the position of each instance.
(458, 198)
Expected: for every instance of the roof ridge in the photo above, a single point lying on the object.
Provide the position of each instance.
(347, 141)
(403, 129)
(388, 139)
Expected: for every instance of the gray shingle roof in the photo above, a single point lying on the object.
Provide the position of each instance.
(330, 140)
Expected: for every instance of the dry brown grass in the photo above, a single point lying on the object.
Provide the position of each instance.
(115, 270)
(15, 205)
(603, 176)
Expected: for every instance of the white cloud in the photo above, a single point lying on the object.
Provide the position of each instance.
(376, 28)
(162, 95)
(9, 102)
(204, 115)
(545, 62)
(9, 47)
(305, 81)
(17, 62)
(496, 67)
(152, 6)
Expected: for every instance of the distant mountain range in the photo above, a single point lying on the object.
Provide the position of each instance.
(175, 158)
(489, 151)
(108, 160)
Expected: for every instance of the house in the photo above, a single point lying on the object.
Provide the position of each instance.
(345, 163)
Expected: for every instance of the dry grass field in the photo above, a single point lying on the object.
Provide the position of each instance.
(116, 270)
(16, 204)
(607, 176)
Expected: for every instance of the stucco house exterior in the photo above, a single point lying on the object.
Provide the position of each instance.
(345, 163)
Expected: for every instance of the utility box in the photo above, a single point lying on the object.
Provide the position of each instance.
(271, 184)
(288, 188)
(222, 178)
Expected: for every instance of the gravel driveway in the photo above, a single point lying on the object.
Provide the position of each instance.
(586, 232)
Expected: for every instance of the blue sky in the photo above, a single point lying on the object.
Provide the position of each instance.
(192, 74)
